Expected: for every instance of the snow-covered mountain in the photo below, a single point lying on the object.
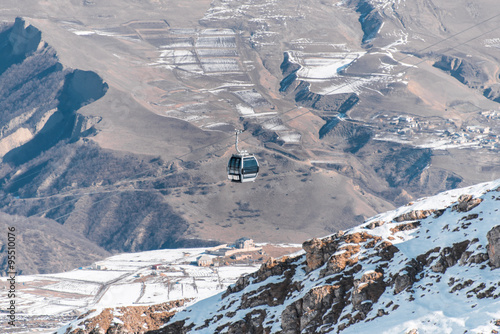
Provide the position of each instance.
(427, 267)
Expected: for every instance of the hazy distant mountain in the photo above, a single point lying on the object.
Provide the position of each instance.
(43, 246)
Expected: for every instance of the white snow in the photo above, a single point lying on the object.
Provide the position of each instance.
(101, 276)
(220, 65)
(179, 43)
(128, 280)
(344, 85)
(82, 32)
(120, 295)
(216, 42)
(75, 287)
(492, 43)
(252, 97)
(440, 144)
(326, 68)
(290, 136)
(244, 110)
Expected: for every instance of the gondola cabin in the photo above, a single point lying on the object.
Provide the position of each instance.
(242, 167)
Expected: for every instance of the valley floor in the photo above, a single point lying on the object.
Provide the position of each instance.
(45, 302)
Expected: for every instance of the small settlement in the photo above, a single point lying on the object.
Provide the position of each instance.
(243, 249)
(243, 252)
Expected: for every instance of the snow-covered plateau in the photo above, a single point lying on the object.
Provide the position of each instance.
(121, 280)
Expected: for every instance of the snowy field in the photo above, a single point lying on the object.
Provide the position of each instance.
(98, 276)
(124, 279)
(220, 65)
(216, 42)
(75, 287)
(217, 32)
(327, 67)
(253, 98)
(120, 295)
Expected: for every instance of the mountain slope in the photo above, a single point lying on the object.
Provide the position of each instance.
(39, 96)
(44, 246)
(353, 107)
(127, 177)
(399, 272)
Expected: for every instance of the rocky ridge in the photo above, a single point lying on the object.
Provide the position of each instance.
(132, 319)
(39, 96)
(291, 84)
(397, 272)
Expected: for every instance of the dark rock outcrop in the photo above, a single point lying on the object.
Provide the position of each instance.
(414, 215)
(274, 267)
(131, 319)
(449, 256)
(318, 251)
(463, 70)
(340, 103)
(466, 203)
(320, 304)
(493, 93)
(370, 19)
(494, 246)
(17, 42)
(345, 134)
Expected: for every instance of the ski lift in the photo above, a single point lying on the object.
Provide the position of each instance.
(243, 166)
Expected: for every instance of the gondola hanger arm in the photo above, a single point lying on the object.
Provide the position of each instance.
(237, 131)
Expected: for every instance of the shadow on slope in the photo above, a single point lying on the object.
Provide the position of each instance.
(115, 200)
(80, 88)
(39, 97)
(17, 43)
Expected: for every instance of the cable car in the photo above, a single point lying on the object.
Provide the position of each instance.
(243, 166)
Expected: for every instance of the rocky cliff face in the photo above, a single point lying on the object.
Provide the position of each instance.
(398, 272)
(300, 89)
(467, 71)
(39, 97)
(472, 72)
(370, 19)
